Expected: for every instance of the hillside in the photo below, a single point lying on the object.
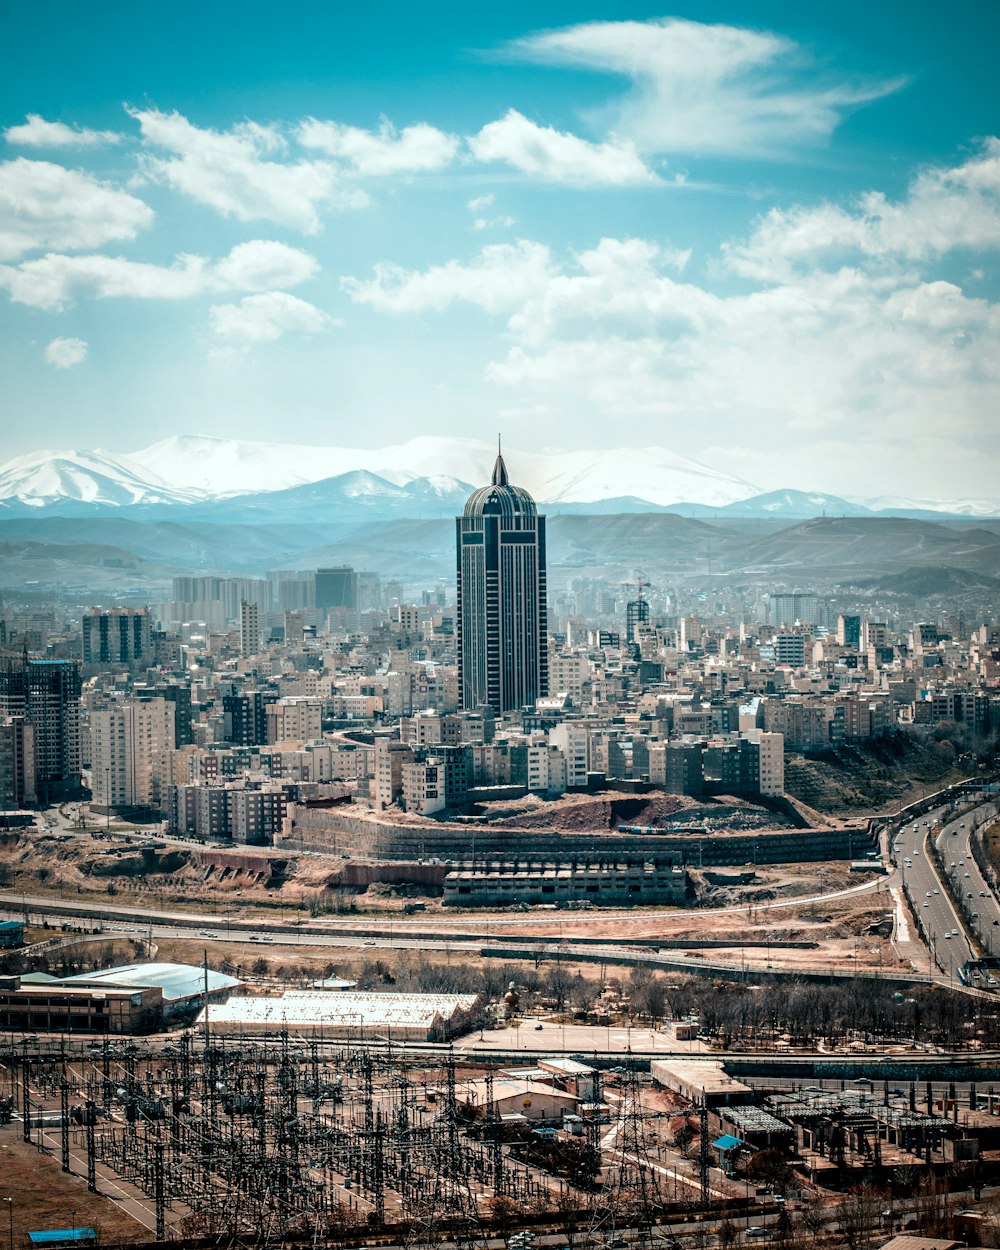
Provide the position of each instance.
(873, 777)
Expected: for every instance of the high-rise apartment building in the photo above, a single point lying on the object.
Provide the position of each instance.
(337, 594)
(128, 744)
(790, 608)
(17, 763)
(249, 628)
(116, 636)
(849, 631)
(501, 614)
(47, 693)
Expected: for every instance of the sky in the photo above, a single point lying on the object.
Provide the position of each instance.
(762, 235)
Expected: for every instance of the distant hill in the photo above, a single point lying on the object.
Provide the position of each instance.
(922, 583)
(660, 544)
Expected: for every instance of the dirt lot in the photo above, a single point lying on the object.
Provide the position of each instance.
(597, 812)
(44, 1197)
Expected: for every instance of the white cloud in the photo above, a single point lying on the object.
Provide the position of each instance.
(65, 353)
(703, 89)
(493, 223)
(415, 149)
(887, 355)
(53, 281)
(501, 279)
(36, 132)
(264, 318)
(557, 156)
(943, 209)
(44, 205)
(264, 265)
(238, 173)
(480, 202)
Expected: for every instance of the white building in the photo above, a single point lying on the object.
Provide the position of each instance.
(772, 761)
(571, 738)
(294, 719)
(128, 746)
(423, 786)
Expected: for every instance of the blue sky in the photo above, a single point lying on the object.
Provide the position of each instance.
(763, 235)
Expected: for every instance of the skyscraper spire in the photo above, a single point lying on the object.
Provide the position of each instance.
(499, 469)
(501, 617)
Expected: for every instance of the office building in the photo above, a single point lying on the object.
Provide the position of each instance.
(501, 614)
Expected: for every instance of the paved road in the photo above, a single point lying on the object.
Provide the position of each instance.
(943, 926)
(980, 908)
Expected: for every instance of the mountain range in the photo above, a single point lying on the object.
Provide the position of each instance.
(199, 478)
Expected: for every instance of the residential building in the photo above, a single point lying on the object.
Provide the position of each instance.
(47, 694)
(116, 636)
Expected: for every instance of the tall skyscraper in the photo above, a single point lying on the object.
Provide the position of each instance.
(47, 693)
(502, 622)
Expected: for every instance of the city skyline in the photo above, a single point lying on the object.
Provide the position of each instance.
(759, 237)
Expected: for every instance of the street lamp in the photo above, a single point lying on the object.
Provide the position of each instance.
(10, 1222)
(107, 795)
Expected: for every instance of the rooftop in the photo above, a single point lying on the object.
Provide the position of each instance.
(177, 981)
(345, 1009)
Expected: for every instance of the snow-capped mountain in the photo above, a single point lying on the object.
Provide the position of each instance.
(187, 468)
(954, 507)
(428, 475)
(96, 477)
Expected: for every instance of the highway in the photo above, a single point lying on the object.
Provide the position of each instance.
(944, 928)
(979, 904)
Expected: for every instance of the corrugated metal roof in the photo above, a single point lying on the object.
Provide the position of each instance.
(177, 981)
(345, 1009)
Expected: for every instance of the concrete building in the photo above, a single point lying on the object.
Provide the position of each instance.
(423, 786)
(128, 744)
(116, 636)
(571, 739)
(17, 763)
(336, 594)
(501, 615)
(615, 883)
(522, 1098)
(294, 720)
(47, 694)
(249, 628)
